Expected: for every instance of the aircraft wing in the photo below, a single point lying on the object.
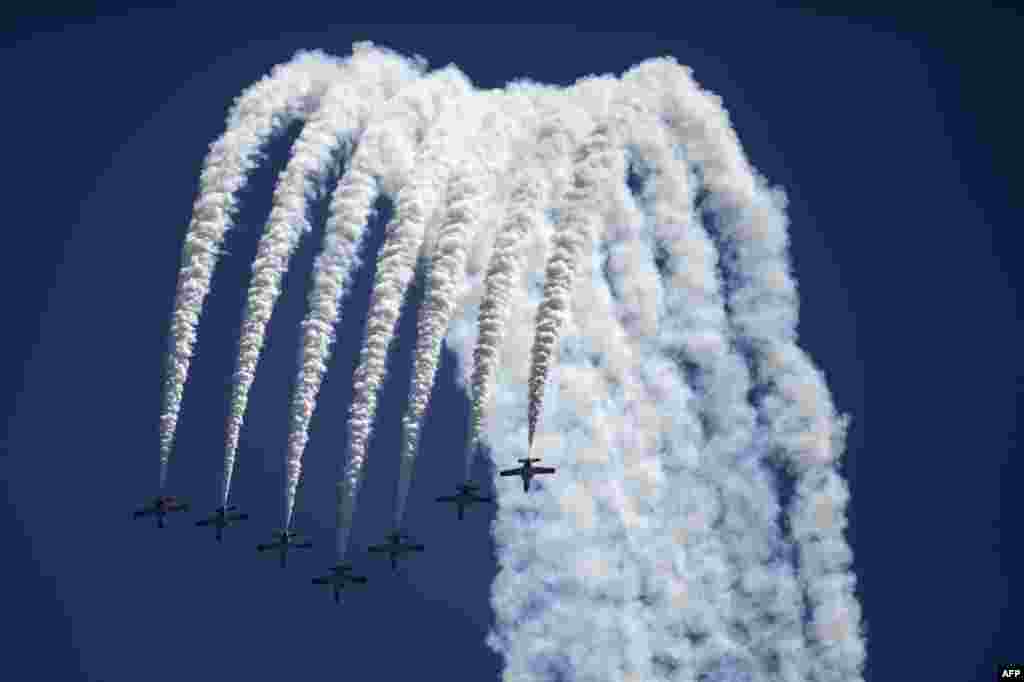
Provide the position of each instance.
(446, 498)
(543, 470)
(512, 472)
(321, 581)
(359, 579)
(377, 548)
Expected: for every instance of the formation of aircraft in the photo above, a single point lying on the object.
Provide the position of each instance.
(465, 497)
(160, 506)
(338, 578)
(527, 471)
(284, 541)
(221, 518)
(397, 545)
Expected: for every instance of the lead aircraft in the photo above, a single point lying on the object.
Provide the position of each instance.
(528, 471)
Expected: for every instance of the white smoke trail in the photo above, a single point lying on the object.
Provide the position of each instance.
(693, 332)
(540, 179)
(524, 212)
(803, 425)
(615, 493)
(753, 581)
(414, 207)
(575, 230)
(382, 161)
(465, 195)
(472, 187)
(332, 128)
(348, 214)
(264, 109)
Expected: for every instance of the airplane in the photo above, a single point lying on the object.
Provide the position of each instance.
(528, 471)
(396, 547)
(466, 497)
(221, 518)
(340, 576)
(284, 540)
(160, 506)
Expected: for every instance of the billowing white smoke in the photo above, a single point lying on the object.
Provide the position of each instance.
(656, 551)
(447, 262)
(471, 189)
(592, 173)
(525, 212)
(721, 533)
(414, 208)
(803, 425)
(539, 180)
(290, 92)
(694, 335)
(341, 112)
(382, 161)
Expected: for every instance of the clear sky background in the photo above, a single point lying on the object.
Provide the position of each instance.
(891, 136)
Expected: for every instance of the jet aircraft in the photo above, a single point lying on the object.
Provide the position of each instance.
(339, 577)
(528, 471)
(466, 497)
(284, 540)
(396, 546)
(221, 518)
(160, 506)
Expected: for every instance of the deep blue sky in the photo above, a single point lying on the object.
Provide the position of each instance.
(887, 134)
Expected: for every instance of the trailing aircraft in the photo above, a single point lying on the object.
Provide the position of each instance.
(284, 540)
(160, 506)
(466, 497)
(396, 546)
(221, 518)
(338, 578)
